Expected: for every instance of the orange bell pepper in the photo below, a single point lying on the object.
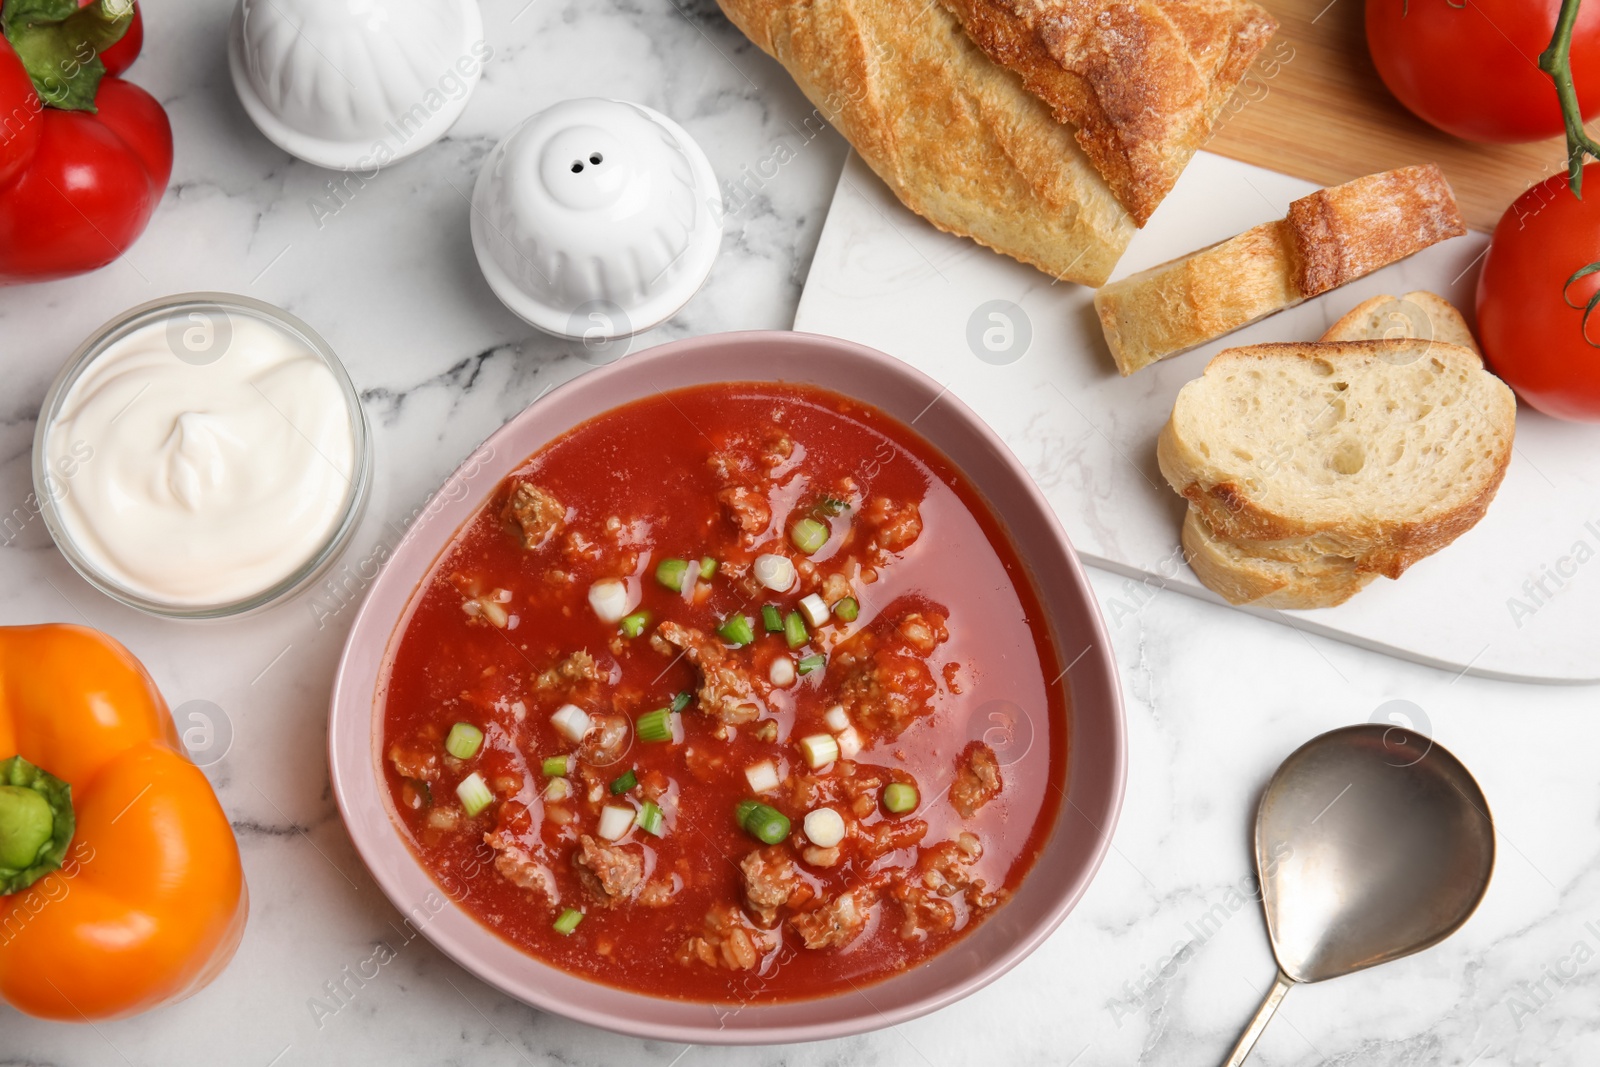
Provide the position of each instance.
(124, 888)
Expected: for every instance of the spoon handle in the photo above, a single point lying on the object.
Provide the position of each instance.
(1252, 1033)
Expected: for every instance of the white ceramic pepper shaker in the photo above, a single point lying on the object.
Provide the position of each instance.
(355, 84)
(596, 219)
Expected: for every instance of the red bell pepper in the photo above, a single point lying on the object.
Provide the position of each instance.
(84, 157)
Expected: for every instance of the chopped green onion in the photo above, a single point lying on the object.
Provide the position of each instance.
(830, 505)
(794, 630)
(681, 701)
(811, 663)
(568, 921)
(737, 630)
(847, 609)
(633, 625)
(824, 827)
(808, 535)
(820, 750)
(650, 819)
(708, 567)
(814, 608)
(623, 784)
(557, 766)
(655, 725)
(763, 822)
(571, 722)
(464, 740)
(773, 571)
(899, 797)
(772, 619)
(474, 793)
(615, 822)
(763, 776)
(670, 572)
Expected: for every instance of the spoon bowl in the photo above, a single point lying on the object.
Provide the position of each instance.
(1372, 843)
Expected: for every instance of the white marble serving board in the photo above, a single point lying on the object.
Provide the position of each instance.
(884, 277)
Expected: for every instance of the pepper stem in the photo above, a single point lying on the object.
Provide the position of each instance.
(60, 43)
(1556, 61)
(36, 823)
(26, 824)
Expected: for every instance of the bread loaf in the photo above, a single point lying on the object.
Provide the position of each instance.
(1328, 239)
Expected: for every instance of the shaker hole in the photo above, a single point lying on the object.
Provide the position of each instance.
(597, 159)
(577, 166)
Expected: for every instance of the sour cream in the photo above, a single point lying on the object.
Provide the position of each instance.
(223, 457)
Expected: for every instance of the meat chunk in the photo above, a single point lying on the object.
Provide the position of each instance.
(923, 632)
(577, 669)
(743, 459)
(610, 872)
(533, 514)
(727, 689)
(517, 865)
(941, 894)
(977, 779)
(747, 508)
(769, 881)
(923, 910)
(837, 922)
(894, 526)
(886, 683)
(417, 758)
(946, 869)
(606, 742)
(658, 894)
(888, 836)
(728, 941)
(850, 787)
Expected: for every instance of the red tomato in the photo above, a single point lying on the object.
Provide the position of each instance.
(20, 129)
(1472, 68)
(120, 56)
(1532, 335)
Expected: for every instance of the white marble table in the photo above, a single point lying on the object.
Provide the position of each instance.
(1163, 960)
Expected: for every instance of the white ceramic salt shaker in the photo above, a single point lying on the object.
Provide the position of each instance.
(355, 84)
(596, 219)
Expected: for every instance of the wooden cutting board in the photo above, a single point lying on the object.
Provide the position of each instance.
(1314, 106)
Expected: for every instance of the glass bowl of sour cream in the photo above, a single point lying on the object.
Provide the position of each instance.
(201, 456)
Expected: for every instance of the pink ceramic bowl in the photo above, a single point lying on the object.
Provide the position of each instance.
(1096, 763)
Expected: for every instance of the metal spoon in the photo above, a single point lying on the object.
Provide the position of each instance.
(1372, 843)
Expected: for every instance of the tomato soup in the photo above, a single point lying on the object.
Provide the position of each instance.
(719, 696)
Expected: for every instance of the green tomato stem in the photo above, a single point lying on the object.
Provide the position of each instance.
(1556, 61)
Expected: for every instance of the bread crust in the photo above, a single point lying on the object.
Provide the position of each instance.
(1384, 546)
(953, 134)
(1350, 230)
(1329, 238)
(1206, 294)
(1241, 577)
(1142, 82)
(1417, 314)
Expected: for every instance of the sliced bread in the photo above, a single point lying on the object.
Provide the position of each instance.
(1383, 451)
(1419, 314)
(1240, 576)
(1329, 238)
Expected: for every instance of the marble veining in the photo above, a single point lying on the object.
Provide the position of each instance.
(1166, 955)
